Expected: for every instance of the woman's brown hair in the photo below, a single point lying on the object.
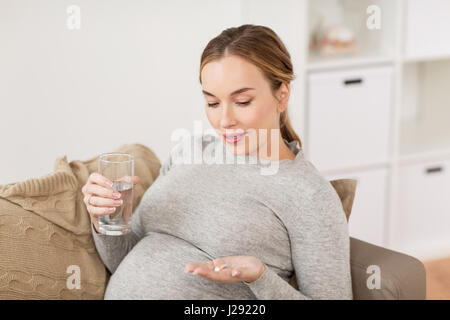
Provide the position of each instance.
(261, 46)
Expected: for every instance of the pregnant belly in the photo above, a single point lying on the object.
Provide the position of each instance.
(154, 269)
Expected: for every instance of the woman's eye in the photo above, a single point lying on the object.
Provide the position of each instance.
(244, 103)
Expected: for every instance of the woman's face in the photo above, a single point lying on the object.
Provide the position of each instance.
(240, 105)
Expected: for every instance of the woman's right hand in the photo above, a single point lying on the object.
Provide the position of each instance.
(102, 198)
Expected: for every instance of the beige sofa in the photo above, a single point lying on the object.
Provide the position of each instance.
(45, 231)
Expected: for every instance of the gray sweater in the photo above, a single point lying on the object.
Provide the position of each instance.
(292, 220)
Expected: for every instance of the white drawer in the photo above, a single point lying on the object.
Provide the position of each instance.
(423, 215)
(348, 117)
(427, 26)
(367, 219)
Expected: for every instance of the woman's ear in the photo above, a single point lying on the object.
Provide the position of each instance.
(283, 96)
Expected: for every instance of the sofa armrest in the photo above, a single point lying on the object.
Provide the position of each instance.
(402, 276)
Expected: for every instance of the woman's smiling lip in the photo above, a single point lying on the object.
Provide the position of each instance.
(234, 138)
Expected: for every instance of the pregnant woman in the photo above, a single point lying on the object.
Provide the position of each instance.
(224, 230)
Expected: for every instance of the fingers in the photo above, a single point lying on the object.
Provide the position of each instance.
(104, 192)
(214, 271)
(205, 266)
(227, 269)
(200, 268)
(98, 211)
(102, 198)
(190, 267)
(134, 179)
(103, 202)
(97, 178)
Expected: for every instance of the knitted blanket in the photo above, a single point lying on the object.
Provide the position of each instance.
(45, 230)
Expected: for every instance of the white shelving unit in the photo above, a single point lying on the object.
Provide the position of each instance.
(415, 169)
(418, 123)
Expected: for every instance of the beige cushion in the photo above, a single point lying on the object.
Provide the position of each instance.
(345, 188)
(45, 228)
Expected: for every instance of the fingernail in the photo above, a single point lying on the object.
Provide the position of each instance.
(234, 273)
(118, 202)
(116, 194)
(109, 183)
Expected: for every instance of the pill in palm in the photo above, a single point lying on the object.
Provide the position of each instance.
(217, 268)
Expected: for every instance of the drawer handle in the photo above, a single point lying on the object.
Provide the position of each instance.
(353, 81)
(433, 170)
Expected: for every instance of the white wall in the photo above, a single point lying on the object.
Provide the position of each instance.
(129, 75)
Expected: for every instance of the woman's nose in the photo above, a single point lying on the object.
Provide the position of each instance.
(228, 119)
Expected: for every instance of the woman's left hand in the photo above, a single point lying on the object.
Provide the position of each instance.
(240, 268)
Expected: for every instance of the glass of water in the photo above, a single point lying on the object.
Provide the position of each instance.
(119, 168)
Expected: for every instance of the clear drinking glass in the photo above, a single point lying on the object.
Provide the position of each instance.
(119, 168)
